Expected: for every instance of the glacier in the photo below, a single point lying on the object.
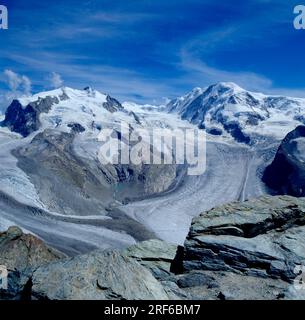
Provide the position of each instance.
(51, 183)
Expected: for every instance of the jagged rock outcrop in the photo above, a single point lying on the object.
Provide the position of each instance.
(245, 251)
(100, 275)
(263, 237)
(24, 251)
(286, 174)
(112, 105)
(258, 239)
(25, 120)
(76, 128)
(21, 254)
(240, 251)
(39, 272)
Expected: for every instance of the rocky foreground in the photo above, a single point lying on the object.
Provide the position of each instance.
(246, 250)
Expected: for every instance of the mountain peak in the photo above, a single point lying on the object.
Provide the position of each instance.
(60, 108)
(227, 109)
(222, 87)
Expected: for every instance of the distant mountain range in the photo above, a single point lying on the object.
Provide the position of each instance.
(227, 109)
(221, 109)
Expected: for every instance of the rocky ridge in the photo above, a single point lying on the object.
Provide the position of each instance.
(246, 250)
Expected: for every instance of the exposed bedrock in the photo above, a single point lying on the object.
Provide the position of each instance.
(286, 174)
(21, 254)
(242, 251)
(65, 182)
(100, 275)
(36, 271)
(25, 120)
(156, 255)
(262, 237)
(248, 250)
(71, 184)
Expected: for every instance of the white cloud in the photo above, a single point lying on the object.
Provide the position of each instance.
(26, 85)
(12, 79)
(19, 85)
(55, 80)
(17, 82)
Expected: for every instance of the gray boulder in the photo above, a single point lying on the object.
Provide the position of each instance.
(155, 255)
(21, 254)
(261, 238)
(19, 251)
(100, 275)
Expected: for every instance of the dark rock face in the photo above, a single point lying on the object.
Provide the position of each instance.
(76, 128)
(234, 129)
(286, 174)
(22, 251)
(112, 105)
(25, 120)
(196, 279)
(214, 131)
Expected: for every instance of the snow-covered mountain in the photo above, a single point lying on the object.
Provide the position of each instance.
(51, 180)
(52, 184)
(226, 109)
(63, 109)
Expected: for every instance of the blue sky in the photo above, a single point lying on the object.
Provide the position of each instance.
(145, 50)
